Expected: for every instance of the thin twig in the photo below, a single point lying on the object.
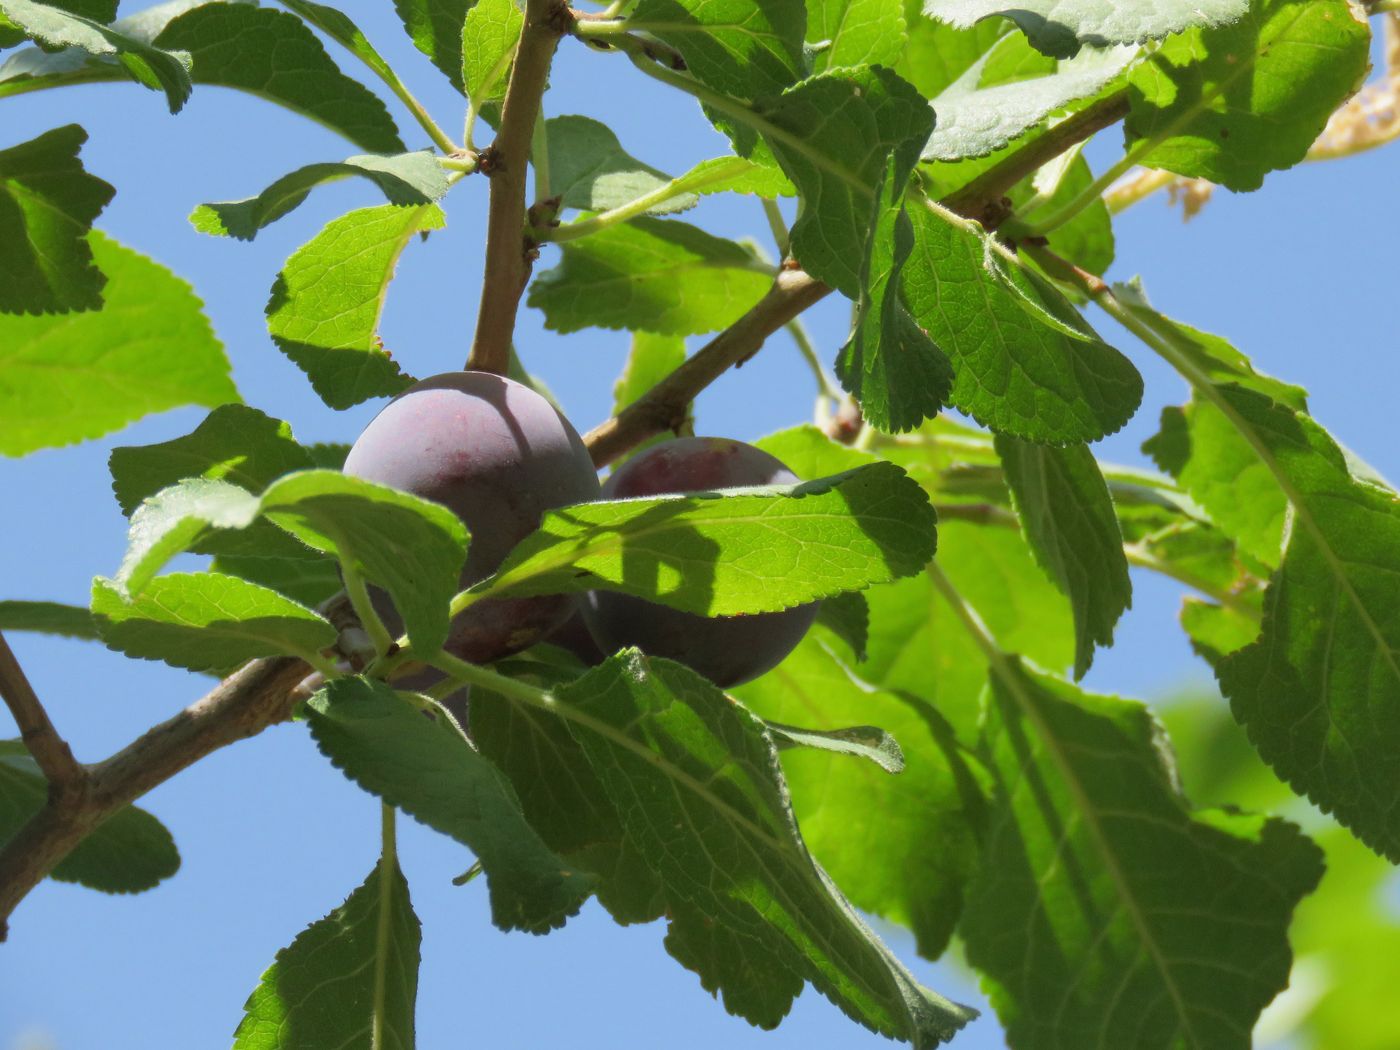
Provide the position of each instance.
(51, 752)
(242, 705)
(509, 251)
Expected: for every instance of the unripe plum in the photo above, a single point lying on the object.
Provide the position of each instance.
(497, 454)
(727, 650)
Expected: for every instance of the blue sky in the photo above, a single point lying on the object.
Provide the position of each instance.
(271, 836)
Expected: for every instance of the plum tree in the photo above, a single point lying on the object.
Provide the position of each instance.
(727, 650)
(498, 455)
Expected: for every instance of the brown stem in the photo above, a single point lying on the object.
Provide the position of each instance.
(242, 705)
(509, 251)
(50, 751)
(980, 199)
(663, 407)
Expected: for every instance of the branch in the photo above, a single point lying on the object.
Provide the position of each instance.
(980, 199)
(242, 705)
(509, 252)
(663, 407)
(50, 750)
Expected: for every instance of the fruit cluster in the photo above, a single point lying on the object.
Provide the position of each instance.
(499, 456)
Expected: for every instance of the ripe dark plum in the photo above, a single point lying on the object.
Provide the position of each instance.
(499, 455)
(727, 650)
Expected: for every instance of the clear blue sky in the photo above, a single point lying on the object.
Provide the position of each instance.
(271, 836)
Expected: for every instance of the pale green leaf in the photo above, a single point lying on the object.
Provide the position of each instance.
(854, 32)
(435, 27)
(589, 169)
(67, 378)
(489, 38)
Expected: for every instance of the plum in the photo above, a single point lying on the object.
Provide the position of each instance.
(499, 455)
(727, 650)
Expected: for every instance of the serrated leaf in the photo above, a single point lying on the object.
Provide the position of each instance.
(651, 275)
(1092, 860)
(1015, 372)
(589, 169)
(854, 33)
(1068, 520)
(206, 622)
(982, 111)
(234, 443)
(129, 852)
(490, 36)
(1233, 103)
(742, 48)
(901, 847)
(435, 27)
(743, 552)
(67, 378)
(161, 67)
(698, 786)
(320, 990)
(71, 621)
(1319, 692)
(406, 178)
(427, 768)
(1061, 27)
(326, 303)
(411, 547)
(47, 206)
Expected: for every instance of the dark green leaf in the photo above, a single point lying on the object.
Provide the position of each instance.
(47, 206)
(1015, 372)
(320, 990)
(1233, 103)
(1060, 27)
(128, 852)
(206, 622)
(435, 27)
(698, 786)
(848, 617)
(1068, 520)
(71, 621)
(326, 303)
(489, 39)
(651, 275)
(427, 768)
(742, 48)
(1107, 914)
(67, 378)
(408, 178)
(589, 169)
(719, 555)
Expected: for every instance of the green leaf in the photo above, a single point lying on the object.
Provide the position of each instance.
(735, 175)
(1015, 372)
(652, 359)
(1107, 914)
(697, 783)
(206, 622)
(1087, 239)
(742, 48)
(129, 852)
(901, 847)
(652, 275)
(64, 379)
(427, 768)
(338, 26)
(589, 169)
(408, 178)
(834, 136)
(809, 453)
(984, 109)
(1068, 519)
(322, 989)
(854, 33)
(435, 27)
(162, 67)
(936, 54)
(234, 443)
(868, 742)
(1319, 692)
(745, 552)
(411, 547)
(1060, 27)
(309, 580)
(848, 617)
(489, 39)
(71, 621)
(326, 303)
(47, 206)
(1233, 103)
(273, 55)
